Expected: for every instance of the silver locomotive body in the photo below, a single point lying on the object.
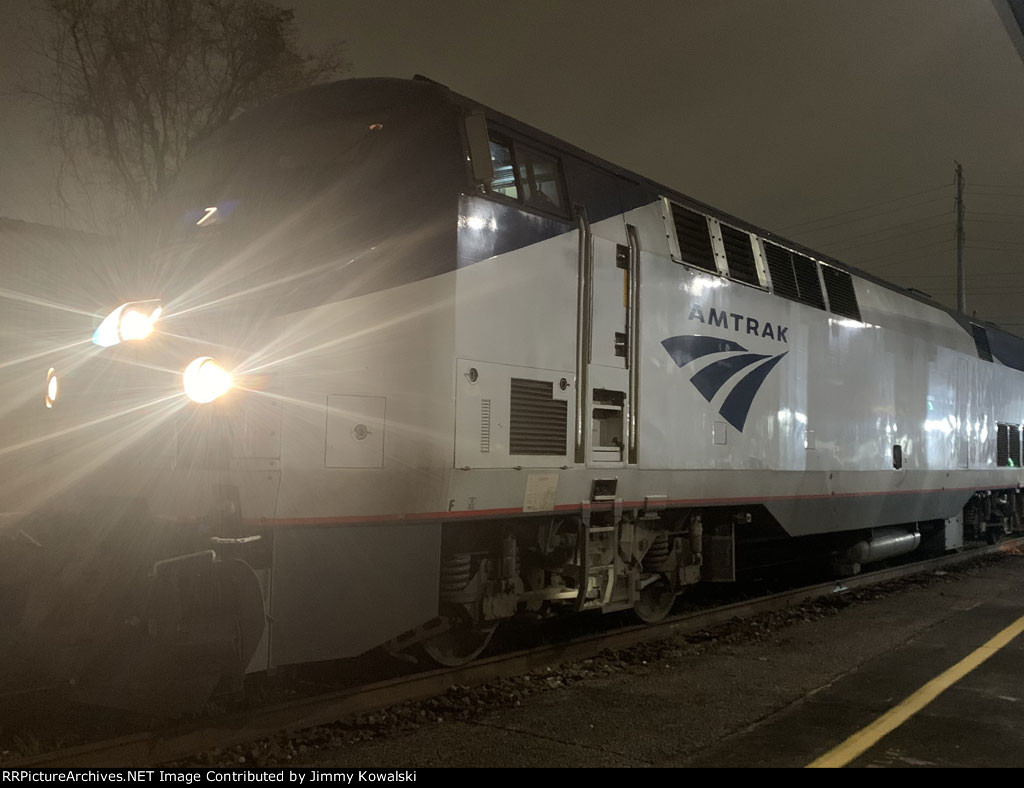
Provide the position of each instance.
(476, 374)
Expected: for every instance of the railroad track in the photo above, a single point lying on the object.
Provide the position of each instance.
(154, 748)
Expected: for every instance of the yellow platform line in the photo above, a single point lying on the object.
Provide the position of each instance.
(868, 736)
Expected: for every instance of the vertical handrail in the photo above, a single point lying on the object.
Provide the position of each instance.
(583, 545)
(584, 328)
(633, 338)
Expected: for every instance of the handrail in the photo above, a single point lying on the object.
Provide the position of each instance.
(584, 329)
(633, 350)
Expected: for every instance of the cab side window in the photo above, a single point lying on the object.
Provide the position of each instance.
(527, 175)
(540, 178)
(504, 182)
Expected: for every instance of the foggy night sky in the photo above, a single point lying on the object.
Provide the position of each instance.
(778, 111)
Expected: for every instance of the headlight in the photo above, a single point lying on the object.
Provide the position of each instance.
(51, 387)
(205, 380)
(129, 322)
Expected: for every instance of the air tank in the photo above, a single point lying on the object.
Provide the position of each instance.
(884, 543)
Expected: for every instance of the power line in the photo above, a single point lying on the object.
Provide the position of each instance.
(988, 193)
(864, 208)
(944, 242)
(993, 213)
(889, 239)
(1010, 222)
(997, 246)
(974, 277)
(875, 215)
(923, 255)
(1009, 290)
(886, 229)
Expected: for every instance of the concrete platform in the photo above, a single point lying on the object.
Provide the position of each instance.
(782, 699)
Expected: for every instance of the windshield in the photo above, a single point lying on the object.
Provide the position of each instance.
(302, 210)
(263, 176)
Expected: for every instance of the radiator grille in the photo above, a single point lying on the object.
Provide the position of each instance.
(807, 281)
(794, 276)
(694, 239)
(1014, 445)
(1002, 445)
(780, 266)
(981, 342)
(740, 256)
(538, 423)
(842, 299)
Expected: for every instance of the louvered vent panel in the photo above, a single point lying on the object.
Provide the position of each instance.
(740, 256)
(842, 299)
(981, 342)
(1015, 445)
(485, 426)
(538, 423)
(807, 283)
(1002, 445)
(694, 239)
(780, 266)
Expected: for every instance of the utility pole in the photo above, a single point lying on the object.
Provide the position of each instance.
(961, 301)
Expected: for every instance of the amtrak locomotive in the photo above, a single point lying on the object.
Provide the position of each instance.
(387, 368)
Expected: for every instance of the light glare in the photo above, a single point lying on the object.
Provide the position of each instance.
(127, 323)
(51, 387)
(205, 380)
(135, 325)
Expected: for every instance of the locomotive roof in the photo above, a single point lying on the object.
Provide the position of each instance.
(330, 99)
(688, 201)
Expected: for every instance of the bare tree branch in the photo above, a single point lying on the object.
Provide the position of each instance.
(136, 82)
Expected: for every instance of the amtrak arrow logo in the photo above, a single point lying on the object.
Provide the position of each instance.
(710, 380)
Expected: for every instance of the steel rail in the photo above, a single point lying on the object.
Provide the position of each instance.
(157, 747)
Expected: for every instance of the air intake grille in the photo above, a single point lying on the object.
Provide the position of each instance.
(981, 342)
(1014, 445)
(485, 426)
(538, 424)
(794, 276)
(842, 299)
(780, 266)
(807, 281)
(740, 256)
(694, 239)
(1003, 445)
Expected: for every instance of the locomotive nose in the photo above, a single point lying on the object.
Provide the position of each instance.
(122, 412)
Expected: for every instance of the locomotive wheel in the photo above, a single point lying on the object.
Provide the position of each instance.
(462, 642)
(655, 602)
